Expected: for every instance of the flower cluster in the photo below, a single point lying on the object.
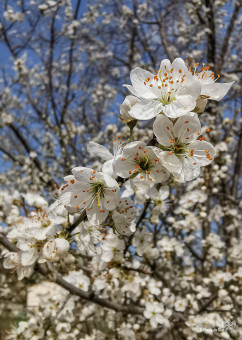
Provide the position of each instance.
(99, 216)
(180, 148)
(38, 239)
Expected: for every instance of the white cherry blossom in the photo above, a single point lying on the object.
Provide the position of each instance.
(92, 191)
(154, 286)
(123, 216)
(32, 234)
(184, 154)
(31, 250)
(173, 90)
(142, 162)
(33, 329)
(13, 261)
(138, 188)
(39, 226)
(210, 89)
(180, 304)
(87, 236)
(111, 246)
(159, 197)
(78, 279)
(153, 312)
(141, 241)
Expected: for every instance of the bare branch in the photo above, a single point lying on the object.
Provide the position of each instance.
(229, 32)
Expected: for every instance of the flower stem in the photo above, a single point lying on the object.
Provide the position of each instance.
(131, 129)
(131, 126)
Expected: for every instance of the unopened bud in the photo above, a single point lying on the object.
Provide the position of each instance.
(126, 106)
(200, 105)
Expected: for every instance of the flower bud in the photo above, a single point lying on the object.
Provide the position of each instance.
(126, 106)
(62, 246)
(201, 104)
(54, 250)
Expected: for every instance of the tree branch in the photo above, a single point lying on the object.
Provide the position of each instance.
(237, 167)
(229, 32)
(193, 252)
(68, 81)
(79, 219)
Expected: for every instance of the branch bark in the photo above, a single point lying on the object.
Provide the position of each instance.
(237, 168)
(229, 32)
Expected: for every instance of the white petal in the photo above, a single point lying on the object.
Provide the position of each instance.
(146, 109)
(147, 314)
(11, 260)
(82, 198)
(160, 319)
(190, 86)
(65, 197)
(164, 192)
(25, 243)
(24, 271)
(101, 151)
(159, 173)
(82, 174)
(42, 233)
(201, 150)
(29, 257)
(107, 168)
(179, 64)
(180, 106)
(123, 229)
(62, 246)
(126, 106)
(171, 162)
(188, 171)
(153, 323)
(59, 220)
(186, 128)
(129, 189)
(132, 148)
(216, 91)
(109, 201)
(163, 129)
(124, 167)
(154, 194)
(110, 182)
(95, 216)
(131, 90)
(138, 77)
(164, 66)
(68, 178)
(124, 214)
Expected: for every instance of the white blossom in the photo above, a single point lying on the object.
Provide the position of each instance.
(153, 312)
(173, 90)
(94, 192)
(184, 154)
(142, 162)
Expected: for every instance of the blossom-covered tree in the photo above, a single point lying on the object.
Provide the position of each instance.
(120, 190)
